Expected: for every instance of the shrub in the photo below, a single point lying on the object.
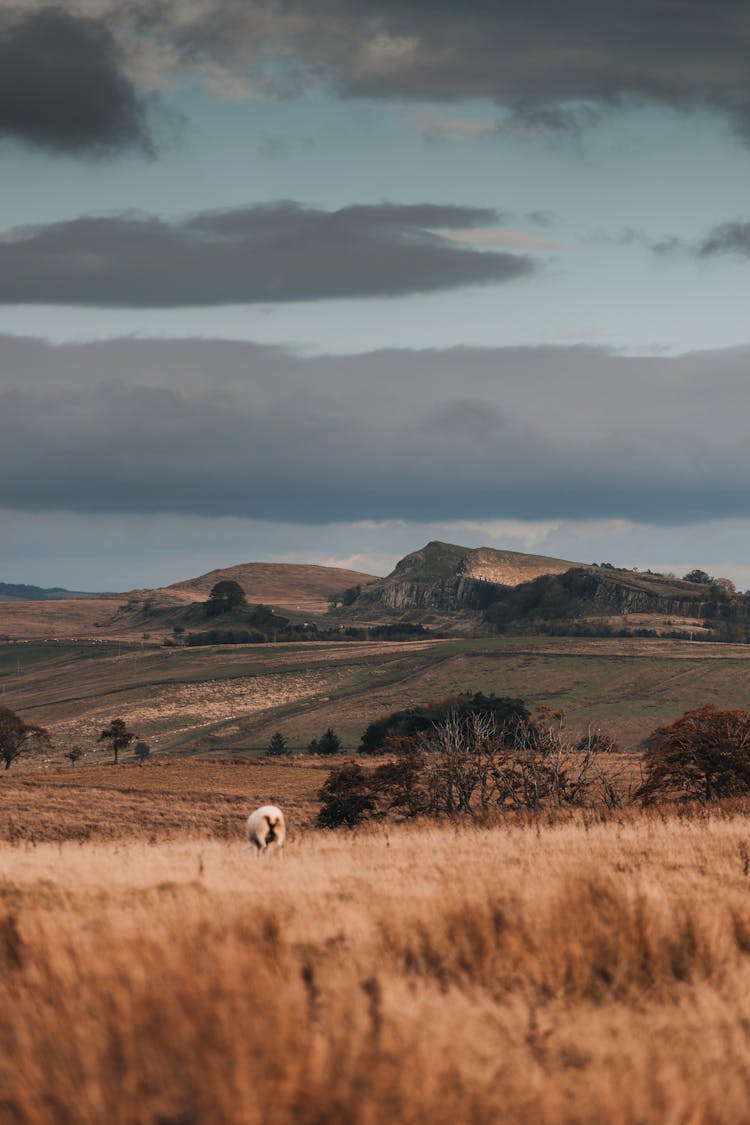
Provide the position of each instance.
(704, 754)
(142, 750)
(471, 765)
(346, 798)
(504, 711)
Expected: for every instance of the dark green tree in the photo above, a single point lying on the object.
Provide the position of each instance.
(328, 743)
(277, 746)
(118, 734)
(225, 596)
(699, 576)
(505, 711)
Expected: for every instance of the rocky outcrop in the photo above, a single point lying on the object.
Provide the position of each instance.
(446, 578)
(456, 592)
(508, 587)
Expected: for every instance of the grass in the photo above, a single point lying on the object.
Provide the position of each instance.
(581, 972)
(237, 696)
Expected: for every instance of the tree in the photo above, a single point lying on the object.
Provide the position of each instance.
(16, 736)
(328, 743)
(226, 595)
(704, 754)
(346, 798)
(698, 576)
(277, 746)
(142, 750)
(118, 734)
(504, 710)
(74, 754)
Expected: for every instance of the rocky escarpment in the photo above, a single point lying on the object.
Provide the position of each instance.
(456, 592)
(446, 578)
(594, 592)
(510, 589)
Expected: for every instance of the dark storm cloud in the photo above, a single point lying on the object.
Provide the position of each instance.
(277, 252)
(219, 428)
(63, 87)
(532, 58)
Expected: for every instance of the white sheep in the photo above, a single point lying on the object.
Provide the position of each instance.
(265, 827)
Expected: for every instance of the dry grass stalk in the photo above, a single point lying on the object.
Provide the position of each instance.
(576, 972)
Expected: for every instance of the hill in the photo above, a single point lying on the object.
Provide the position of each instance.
(445, 577)
(303, 588)
(509, 590)
(287, 585)
(20, 591)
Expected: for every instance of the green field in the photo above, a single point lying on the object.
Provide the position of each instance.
(234, 697)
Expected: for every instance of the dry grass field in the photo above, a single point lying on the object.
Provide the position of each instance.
(581, 972)
(157, 800)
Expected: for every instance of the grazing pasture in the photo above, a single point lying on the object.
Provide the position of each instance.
(583, 971)
(235, 697)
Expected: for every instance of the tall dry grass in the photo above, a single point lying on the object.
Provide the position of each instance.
(569, 973)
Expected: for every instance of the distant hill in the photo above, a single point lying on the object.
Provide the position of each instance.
(446, 577)
(444, 586)
(19, 591)
(289, 585)
(517, 592)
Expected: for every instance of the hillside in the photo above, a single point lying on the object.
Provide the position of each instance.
(122, 616)
(288, 585)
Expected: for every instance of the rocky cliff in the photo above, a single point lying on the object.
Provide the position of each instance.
(509, 587)
(445, 577)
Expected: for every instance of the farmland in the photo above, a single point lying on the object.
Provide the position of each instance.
(232, 698)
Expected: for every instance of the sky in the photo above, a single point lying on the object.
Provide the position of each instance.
(322, 281)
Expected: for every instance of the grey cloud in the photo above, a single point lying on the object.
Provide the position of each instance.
(272, 253)
(229, 429)
(63, 86)
(536, 59)
(731, 237)
(727, 238)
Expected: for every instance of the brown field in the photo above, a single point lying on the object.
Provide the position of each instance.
(580, 972)
(69, 618)
(156, 800)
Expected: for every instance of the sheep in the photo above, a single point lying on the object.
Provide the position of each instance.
(266, 826)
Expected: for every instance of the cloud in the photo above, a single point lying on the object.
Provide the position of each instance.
(277, 252)
(213, 428)
(732, 237)
(545, 62)
(727, 238)
(63, 86)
